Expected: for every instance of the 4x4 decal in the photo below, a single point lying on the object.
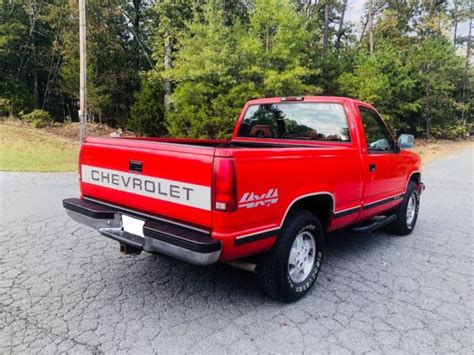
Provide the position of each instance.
(251, 199)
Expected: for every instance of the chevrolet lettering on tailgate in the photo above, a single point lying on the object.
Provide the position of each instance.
(162, 189)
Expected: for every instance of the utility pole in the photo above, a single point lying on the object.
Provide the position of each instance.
(83, 71)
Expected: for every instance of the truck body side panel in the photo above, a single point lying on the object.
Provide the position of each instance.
(270, 182)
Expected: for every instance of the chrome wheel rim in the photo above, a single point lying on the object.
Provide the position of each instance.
(411, 209)
(302, 257)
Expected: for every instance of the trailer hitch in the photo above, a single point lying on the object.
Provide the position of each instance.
(129, 250)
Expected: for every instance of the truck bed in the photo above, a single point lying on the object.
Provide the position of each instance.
(168, 177)
(236, 144)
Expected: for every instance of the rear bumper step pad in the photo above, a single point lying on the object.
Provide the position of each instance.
(180, 236)
(196, 247)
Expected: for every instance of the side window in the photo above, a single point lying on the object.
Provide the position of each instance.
(377, 136)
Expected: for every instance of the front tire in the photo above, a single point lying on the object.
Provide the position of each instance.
(290, 268)
(407, 212)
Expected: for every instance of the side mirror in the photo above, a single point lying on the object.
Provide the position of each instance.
(406, 141)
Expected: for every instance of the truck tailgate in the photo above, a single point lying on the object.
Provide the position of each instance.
(164, 179)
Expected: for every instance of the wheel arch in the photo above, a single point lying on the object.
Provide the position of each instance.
(321, 204)
(415, 177)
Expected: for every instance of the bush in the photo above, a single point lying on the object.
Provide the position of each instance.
(38, 118)
(5, 107)
(454, 131)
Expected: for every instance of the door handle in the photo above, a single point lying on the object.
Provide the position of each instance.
(372, 168)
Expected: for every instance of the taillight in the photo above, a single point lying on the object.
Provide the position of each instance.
(79, 167)
(225, 194)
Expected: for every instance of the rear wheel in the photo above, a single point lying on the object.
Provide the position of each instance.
(290, 268)
(407, 212)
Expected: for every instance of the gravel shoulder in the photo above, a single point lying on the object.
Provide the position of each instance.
(63, 288)
(433, 150)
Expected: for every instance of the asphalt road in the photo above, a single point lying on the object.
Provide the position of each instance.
(64, 288)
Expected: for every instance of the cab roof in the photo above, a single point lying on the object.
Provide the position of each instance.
(268, 100)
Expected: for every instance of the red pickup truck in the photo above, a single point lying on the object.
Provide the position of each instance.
(295, 169)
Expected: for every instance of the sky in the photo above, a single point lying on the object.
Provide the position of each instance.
(355, 11)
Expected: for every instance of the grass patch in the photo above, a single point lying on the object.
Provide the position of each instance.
(26, 149)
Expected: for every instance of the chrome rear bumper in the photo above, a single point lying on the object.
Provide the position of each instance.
(177, 241)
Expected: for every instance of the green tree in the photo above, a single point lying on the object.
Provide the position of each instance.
(188, 66)
(118, 49)
(438, 72)
(147, 113)
(384, 80)
(39, 56)
(274, 50)
(14, 88)
(25, 48)
(170, 18)
(220, 66)
(205, 73)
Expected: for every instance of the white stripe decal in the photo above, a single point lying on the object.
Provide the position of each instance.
(182, 193)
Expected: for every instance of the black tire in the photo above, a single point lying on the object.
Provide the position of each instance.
(274, 270)
(401, 226)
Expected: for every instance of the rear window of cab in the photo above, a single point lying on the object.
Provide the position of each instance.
(320, 121)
